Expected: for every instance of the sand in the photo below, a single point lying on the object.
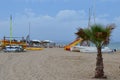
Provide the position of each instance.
(56, 64)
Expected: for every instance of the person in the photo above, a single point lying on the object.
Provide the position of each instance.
(114, 50)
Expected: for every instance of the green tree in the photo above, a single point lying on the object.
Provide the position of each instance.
(99, 36)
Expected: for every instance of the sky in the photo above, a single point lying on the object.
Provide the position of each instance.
(56, 20)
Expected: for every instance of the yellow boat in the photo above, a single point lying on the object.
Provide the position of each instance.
(33, 48)
(4, 43)
(77, 41)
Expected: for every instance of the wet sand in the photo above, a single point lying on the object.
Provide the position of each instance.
(56, 64)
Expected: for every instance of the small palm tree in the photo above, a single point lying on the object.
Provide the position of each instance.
(98, 35)
(85, 38)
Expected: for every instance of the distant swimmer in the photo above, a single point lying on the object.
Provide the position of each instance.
(114, 50)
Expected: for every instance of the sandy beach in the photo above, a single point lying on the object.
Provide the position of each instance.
(56, 64)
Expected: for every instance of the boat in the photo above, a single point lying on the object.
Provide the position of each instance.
(10, 43)
(34, 48)
(72, 44)
(13, 48)
(89, 49)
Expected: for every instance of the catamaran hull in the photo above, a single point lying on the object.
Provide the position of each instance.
(89, 49)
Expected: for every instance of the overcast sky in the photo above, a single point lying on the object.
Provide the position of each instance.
(56, 20)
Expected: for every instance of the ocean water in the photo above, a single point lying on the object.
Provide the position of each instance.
(114, 45)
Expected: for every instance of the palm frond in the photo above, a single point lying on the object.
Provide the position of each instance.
(97, 34)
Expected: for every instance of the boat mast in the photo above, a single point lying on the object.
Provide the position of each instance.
(94, 12)
(10, 29)
(89, 18)
(29, 31)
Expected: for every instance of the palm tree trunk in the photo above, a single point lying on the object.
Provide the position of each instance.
(99, 72)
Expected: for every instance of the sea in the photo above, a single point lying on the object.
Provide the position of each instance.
(114, 45)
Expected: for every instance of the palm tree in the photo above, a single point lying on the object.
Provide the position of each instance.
(84, 37)
(98, 35)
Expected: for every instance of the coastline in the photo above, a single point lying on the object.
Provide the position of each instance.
(56, 64)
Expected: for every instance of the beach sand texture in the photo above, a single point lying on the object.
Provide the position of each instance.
(56, 64)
